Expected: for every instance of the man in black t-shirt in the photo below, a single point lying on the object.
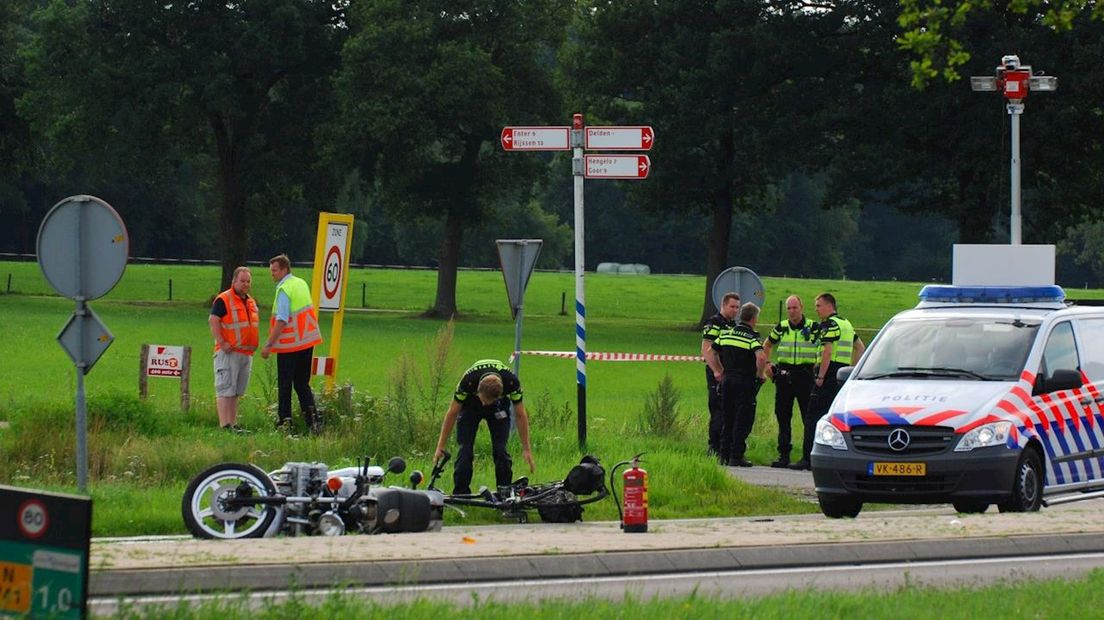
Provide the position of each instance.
(714, 325)
(487, 391)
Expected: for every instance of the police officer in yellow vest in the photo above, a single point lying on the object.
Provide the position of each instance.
(293, 334)
(839, 346)
(794, 341)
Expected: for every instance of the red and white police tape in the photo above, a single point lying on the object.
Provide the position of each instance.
(322, 366)
(620, 357)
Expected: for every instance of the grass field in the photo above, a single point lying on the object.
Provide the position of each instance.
(401, 369)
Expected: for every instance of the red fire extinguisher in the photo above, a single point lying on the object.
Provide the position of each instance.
(634, 481)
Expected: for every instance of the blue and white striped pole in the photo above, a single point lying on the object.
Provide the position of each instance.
(580, 297)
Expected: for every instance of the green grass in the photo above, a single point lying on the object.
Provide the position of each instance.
(399, 390)
(1047, 599)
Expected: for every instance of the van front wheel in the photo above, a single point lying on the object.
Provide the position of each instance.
(1027, 487)
(837, 507)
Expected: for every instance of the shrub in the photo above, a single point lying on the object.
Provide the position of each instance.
(661, 411)
(122, 412)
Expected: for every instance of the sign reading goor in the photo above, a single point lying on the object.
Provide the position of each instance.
(164, 361)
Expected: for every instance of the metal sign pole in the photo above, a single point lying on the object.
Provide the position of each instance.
(520, 310)
(82, 408)
(1015, 110)
(580, 297)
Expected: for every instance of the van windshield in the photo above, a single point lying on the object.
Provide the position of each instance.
(978, 349)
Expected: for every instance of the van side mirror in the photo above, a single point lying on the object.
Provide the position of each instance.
(843, 374)
(1061, 379)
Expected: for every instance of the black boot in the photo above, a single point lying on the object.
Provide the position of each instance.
(314, 420)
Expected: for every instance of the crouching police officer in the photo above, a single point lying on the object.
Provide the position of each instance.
(738, 365)
(487, 391)
(794, 339)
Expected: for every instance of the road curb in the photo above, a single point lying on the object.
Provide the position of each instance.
(208, 579)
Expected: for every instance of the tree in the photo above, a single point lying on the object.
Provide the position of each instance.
(944, 151)
(125, 85)
(424, 91)
(933, 29)
(734, 89)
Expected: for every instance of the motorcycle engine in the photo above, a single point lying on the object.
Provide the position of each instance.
(306, 478)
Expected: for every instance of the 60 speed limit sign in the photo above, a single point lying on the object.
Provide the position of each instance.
(334, 266)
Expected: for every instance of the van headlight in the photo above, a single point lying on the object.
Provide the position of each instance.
(993, 434)
(829, 435)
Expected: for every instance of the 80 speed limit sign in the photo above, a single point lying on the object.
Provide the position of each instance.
(33, 519)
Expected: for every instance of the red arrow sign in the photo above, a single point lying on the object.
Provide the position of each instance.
(626, 138)
(617, 166)
(535, 138)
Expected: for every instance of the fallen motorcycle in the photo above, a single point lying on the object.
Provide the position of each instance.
(560, 501)
(234, 500)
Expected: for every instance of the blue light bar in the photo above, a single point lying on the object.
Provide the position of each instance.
(992, 294)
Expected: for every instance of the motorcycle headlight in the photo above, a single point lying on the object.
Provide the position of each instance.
(993, 434)
(330, 524)
(829, 435)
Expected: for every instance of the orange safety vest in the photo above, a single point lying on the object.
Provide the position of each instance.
(239, 325)
(301, 331)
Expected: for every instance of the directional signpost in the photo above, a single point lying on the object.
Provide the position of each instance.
(617, 167)
(625, 167)
(82, 250)
(535, 138)
(620, 138)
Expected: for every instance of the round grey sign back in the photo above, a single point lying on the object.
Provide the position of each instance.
(739, 280)
(83, 247)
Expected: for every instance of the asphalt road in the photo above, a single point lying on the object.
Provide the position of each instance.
(729, 557)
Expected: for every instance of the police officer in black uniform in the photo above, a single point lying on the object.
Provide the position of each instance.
(487, 391)
(794, 339)
(714, 325)
(738, 365)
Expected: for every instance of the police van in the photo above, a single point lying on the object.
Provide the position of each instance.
(980, 395)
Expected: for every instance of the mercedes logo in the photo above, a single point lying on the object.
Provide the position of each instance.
(898, 439)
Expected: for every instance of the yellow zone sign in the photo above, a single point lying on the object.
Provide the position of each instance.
(15, 587)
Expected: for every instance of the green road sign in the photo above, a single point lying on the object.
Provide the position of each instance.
(43, 553)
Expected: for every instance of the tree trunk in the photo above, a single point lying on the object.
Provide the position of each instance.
(717, 250)
(233, 236)
(721, 232)
(445, 305)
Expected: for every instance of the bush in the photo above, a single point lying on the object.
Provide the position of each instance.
(661, 411)
(126, 413)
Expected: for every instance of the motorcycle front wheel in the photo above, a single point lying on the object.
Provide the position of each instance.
(205, 509)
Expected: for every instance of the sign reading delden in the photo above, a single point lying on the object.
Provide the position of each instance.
(164, 361)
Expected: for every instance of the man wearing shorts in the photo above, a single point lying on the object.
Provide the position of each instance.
(234, 325)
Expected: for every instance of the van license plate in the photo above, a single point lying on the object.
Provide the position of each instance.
(898, 469)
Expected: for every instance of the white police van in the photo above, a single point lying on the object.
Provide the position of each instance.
(980, 395)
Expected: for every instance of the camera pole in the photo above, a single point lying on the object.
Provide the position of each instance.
(1014, 80)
